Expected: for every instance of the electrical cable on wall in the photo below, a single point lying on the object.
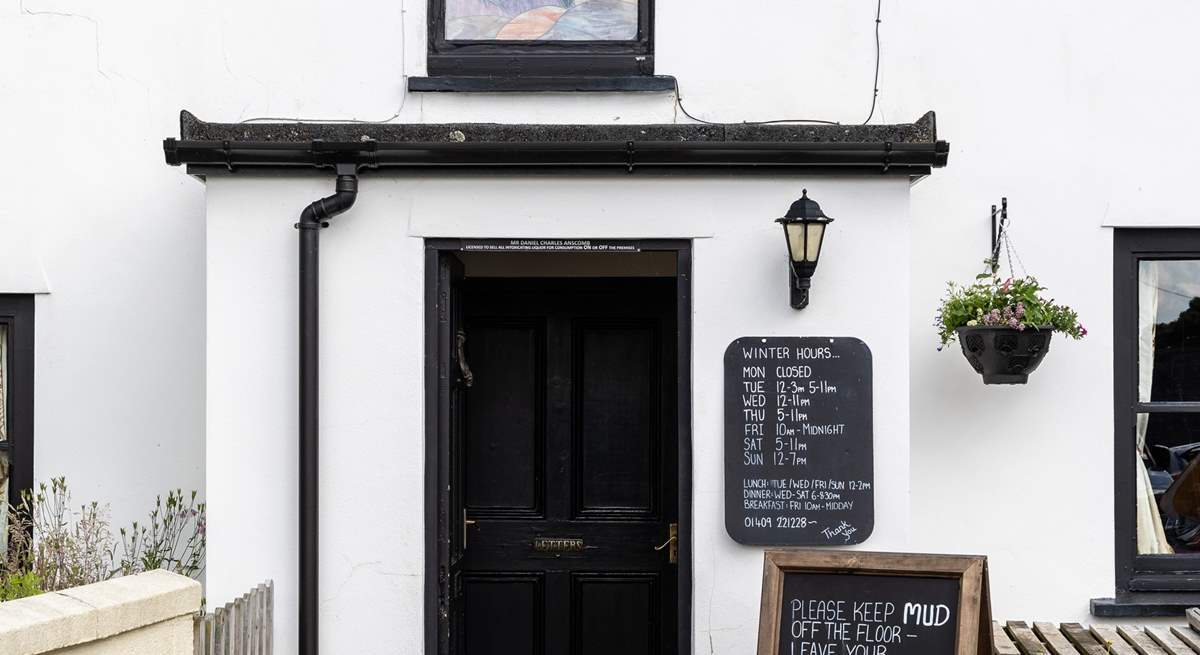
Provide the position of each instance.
(874, 92)
(678, 94)
(875, 84)
(403, 96)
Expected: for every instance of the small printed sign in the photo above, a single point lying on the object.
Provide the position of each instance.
(548, 245)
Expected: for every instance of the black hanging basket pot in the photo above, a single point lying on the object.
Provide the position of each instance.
(1003, 355)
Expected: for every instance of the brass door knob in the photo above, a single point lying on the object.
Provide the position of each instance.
(672, 543)
(466, 524)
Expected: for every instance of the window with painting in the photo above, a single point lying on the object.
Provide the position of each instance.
(1157, 343)
(16, 404)
(507, 38)
(537, 20)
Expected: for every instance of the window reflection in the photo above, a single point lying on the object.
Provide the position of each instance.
(1169, 330)
(1168, 371)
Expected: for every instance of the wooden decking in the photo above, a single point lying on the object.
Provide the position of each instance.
(1020, 638)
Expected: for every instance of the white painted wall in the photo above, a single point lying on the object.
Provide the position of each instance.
(1071, 110)
(1076, 110)
(92, 216)
(372, 377)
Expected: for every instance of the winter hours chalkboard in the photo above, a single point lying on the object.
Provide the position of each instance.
(799, 467)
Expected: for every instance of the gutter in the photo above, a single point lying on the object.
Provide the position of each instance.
(914, 159)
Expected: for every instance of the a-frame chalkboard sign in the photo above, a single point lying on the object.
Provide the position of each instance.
(858, 603)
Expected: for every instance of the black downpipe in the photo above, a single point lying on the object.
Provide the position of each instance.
(312, 220)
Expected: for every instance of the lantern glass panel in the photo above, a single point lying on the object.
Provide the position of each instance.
(804, 241)
(812, 250)
(795, 236)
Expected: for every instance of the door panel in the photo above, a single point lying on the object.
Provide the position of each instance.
(570, 454)
(503, 614)
(617, 437)
(627, 605)
(505, 458)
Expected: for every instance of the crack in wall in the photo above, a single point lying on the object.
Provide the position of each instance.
(66, 14)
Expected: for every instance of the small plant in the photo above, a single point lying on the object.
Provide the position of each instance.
(20, 585)
(1015, 303)
(174, 540)
(69, 548)
(53, 547)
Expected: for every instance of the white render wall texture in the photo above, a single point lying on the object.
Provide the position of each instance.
(1072, 109)
(372, 428)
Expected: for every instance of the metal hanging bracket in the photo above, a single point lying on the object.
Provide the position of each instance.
(999, 225)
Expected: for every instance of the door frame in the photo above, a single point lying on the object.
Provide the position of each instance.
(436, 438)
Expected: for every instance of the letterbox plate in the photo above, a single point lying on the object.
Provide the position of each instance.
(557, 544)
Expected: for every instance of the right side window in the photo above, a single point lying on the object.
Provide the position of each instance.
(1157, 390)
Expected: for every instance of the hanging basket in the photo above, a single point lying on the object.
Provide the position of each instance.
(1003, 355)
(1003, 326)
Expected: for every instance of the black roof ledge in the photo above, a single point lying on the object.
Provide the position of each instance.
(910, 149)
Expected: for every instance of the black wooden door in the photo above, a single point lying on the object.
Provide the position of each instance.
(568, 474)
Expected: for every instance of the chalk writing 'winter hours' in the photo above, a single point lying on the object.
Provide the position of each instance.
(798, 439)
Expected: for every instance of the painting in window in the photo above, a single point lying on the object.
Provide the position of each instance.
(1168, 443)
(541, 20)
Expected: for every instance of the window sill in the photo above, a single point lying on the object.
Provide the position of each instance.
(1146, 603)
(550, 84)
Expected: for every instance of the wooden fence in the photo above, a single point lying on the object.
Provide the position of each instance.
(243, 627)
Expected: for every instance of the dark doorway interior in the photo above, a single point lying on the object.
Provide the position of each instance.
(560, 449)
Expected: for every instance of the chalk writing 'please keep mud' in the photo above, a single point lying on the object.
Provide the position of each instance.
(829, 627)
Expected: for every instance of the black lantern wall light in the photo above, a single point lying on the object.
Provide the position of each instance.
(804, 227)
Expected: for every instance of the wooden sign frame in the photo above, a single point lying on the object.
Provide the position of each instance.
(973, 635)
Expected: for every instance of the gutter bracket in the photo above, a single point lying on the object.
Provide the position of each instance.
(630, 154)
(887, 155)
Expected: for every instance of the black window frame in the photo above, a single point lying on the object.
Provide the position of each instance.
(517, 59)
(1136, 573)
(16, 314)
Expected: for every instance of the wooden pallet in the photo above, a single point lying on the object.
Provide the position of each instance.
(1019, 638)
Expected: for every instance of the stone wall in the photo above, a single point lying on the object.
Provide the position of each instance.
(145, 613)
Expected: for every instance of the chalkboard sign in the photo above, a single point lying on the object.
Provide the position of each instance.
(799, 456)
(855, 603)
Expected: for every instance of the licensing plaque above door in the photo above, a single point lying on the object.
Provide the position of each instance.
(799, 456)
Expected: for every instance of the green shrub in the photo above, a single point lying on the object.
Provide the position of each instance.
(19, 585)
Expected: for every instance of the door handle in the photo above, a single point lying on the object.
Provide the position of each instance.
(468, 378)
(672, 543)
(467, 523)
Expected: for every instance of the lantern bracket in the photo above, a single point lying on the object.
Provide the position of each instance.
(799, 289)
(999, 227)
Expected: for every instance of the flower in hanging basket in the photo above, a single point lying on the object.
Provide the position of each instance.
(1004, 327)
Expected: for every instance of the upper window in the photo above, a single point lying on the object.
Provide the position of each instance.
(1157, 391)
(16, 404)
(507, 39)
(535, 20)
